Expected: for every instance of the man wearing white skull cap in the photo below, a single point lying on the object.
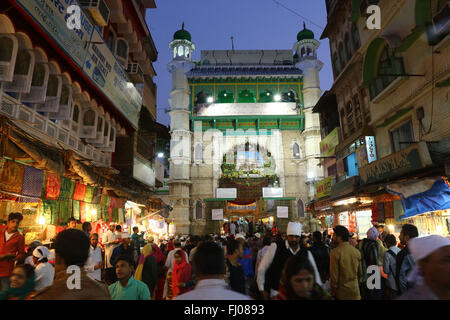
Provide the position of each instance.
(271, 266)
(44, 271)
(432, 256)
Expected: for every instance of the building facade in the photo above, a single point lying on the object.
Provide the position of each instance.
(244, 140)
(391, 88)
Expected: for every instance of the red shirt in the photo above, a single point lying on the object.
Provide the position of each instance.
(16, 245)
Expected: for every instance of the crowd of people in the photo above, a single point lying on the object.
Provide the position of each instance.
(239, 266)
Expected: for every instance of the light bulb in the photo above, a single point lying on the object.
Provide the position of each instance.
(41, 220)
(277, 97)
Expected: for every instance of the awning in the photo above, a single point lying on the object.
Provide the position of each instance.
(425, 195)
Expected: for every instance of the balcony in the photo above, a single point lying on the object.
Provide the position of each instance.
(135, 73)
(381, 83)
(50, 131)
(146, 148)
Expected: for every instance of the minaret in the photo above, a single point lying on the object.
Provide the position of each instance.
(306, 50)
(180, 143)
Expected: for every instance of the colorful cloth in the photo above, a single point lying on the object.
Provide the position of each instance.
(67, 189)
(53, 186)
(80, 192)
(89, 194)
(76, 209)
(82, 211)
(51, 211)
(115, 214)
(12, 175)
(97, 195)
(32, 184)
(65, 209)
(105, 201)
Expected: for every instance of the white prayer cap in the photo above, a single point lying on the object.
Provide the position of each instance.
(125, 236)
(41, 252)
(240, 236)
(112, 224)
(421, 248)
(257, 235)
(294, 229)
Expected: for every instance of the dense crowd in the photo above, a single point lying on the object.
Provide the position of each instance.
(238, 266)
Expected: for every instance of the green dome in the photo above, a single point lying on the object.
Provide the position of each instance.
(305, 34)
(182, 35)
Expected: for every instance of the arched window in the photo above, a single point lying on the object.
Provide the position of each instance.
(23, 63)
(198, 210)
(76, 114)
(289, 96)
(266, 96)
(309, 51)
(303, 52)
(348, 46)
(39, 75)
(342, 58)
(300, 209)
(198, 153)
(225, 96)
(355, 37)
(122, 48)
(296, 151)
(336, 64)
(89, 118)
(99, 124)
(246, 96)
(111, 39)
(6, 48)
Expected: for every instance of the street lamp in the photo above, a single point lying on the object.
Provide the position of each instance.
(160, 155)
(277, 97)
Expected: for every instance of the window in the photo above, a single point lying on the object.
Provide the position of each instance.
(38, 75)
(23, 63)
(6, 48)
(89, 118)
(355, 37)
(198, 210)
(198, 153)
(296, 151)
(112, 40)
(300, 209)
(351, 166)
(122, 48)
(402, 136)
(99, 124)
(348, 46)
(342, 58)
(76, 114)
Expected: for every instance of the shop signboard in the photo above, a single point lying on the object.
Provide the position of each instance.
(226, 193)
(323, 187)
(282, 212)
(217, 214)
(236, 208)
(272, 192)
(371, 149)
(344, 187)
(329, 143)
(88, 50)
(407, 160)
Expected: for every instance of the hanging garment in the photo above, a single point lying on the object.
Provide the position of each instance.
(89, 194)
(53, 186)
(67, 189)
(80, 192)
(32, 184)
(12, 175)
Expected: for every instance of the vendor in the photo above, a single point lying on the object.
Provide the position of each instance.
(44, 271)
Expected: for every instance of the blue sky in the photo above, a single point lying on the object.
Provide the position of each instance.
(254, 24)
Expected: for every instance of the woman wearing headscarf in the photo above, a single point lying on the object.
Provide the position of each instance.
(181, 274)
(160, 262)
(44, 271)
(298, 281)
(21, 285)
(146, 270)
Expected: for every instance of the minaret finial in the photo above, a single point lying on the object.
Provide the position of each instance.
(304, 25)
(182, 26)
(232, 43)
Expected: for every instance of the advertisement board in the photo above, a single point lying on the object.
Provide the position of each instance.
(217, 214)
(282, 212)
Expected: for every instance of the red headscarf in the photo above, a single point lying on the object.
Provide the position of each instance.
(170, 246)
(181, 273)
(157, 253)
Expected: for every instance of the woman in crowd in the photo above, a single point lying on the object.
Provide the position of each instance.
(181, 274)
(44, 271)
(160, 262)
(298, 281)
(146, 270)
(22, 284)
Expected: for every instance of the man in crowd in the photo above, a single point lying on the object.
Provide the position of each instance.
(246, 260)
(272, 264)
(12, 247)
(138, 241)
(383, 233)
(194, 250)
(432, 254)
(72, 223)
(110, 242)
(209, 264)
(255, 243)
(72, 251)
(124, 249)
(127, 287)
(345, 267)
(389, 266)
(321, 254)
(235, 271)
(404, 260)
(87, 228)
(94, 263)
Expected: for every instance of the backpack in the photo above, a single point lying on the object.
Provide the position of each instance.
(369, 250)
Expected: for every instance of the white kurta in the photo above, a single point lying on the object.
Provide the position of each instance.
(107, 240)
(44, 275)
(95, 257)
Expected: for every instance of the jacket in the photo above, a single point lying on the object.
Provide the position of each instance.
(345, 272)
(90, 289)
(16, 245)
(247, 263)
(321, 254)
(404, 264)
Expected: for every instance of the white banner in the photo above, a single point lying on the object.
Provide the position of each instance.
(272, 192)
(282, 212)
(226, 193)
(217, 214)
